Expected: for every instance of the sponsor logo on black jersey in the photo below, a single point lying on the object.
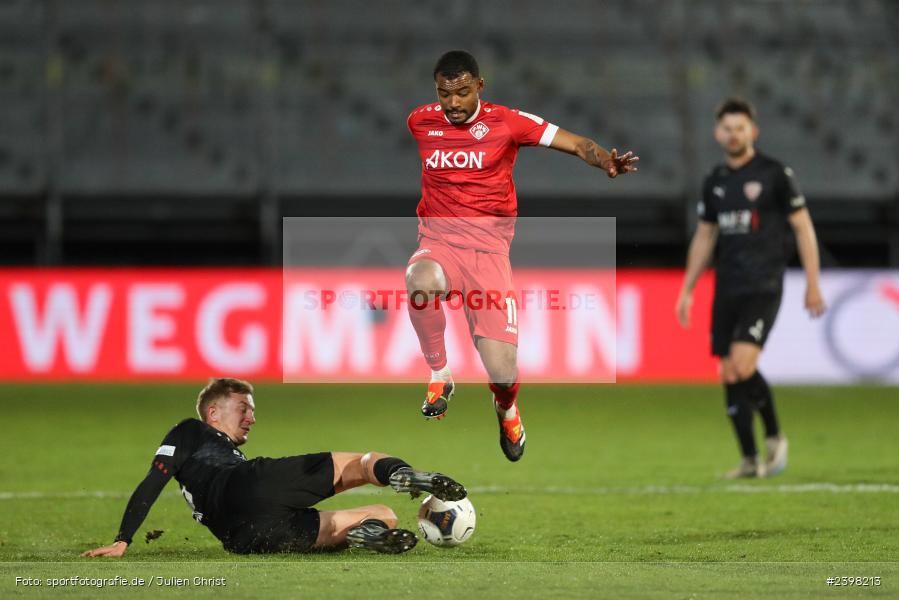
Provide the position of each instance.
(735, 221)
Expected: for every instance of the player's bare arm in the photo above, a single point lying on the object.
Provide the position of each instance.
(807, 243)
(595, 155)
(701, 247)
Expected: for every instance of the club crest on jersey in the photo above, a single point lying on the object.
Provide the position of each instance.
(479, 130)
(752, 190)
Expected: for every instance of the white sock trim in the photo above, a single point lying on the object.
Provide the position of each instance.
(509, 413)
(442, 375)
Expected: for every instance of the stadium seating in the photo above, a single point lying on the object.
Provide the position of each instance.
(234, 99)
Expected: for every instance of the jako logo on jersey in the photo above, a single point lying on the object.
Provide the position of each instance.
(434, 132)
(479, 130)
(752, 190)
(455, 160)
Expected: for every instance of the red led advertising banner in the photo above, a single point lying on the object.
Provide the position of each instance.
(335, 325)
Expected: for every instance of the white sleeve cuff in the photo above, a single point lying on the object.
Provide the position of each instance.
(548, 134)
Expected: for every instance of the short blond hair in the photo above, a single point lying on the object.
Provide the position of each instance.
(217, 389)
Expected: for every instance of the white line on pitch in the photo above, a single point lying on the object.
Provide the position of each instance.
(649, 490)
(739, 488)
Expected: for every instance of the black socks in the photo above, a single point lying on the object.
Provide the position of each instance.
(742, 398)
(385, 467)
(761, 398)
(739, 409)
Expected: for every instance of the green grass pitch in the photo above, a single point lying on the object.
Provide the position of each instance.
(619, 493)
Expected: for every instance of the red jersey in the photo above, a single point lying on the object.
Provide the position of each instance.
(467, 193)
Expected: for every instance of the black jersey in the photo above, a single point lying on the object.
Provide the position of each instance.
(201, 459)
(750, 205)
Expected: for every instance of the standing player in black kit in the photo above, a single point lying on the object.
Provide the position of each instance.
(264, 505)
(746, 205)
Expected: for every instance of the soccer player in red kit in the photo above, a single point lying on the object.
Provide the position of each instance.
(466, 222)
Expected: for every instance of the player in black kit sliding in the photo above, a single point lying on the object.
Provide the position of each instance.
(264, 505)
(747, 205)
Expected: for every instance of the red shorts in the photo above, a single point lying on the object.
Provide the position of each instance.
(481, 282)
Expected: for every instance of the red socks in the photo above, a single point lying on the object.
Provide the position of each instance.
(505, 396)
(430, 323)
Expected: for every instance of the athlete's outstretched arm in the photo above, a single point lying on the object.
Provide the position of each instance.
(701, 247)
(593, 154)
(807, 243)
(138, 507)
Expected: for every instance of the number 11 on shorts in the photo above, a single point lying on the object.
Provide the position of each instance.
(511, 312)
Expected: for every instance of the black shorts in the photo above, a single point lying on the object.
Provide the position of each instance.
(745, 318)
(267, 503)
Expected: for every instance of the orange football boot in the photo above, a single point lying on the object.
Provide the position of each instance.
(437, 401)
(511, 433)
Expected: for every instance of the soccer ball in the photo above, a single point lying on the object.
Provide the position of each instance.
(445, 523)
